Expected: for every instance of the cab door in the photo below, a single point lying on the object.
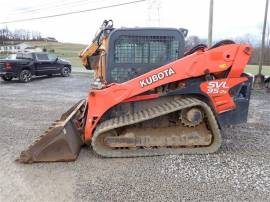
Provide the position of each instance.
(45, 65)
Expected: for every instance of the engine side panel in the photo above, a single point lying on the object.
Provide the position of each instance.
(240, 95)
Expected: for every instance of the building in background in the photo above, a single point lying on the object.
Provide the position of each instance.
(49, 39)
(19, 47)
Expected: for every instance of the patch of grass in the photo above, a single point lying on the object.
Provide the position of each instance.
(3, 56)
(253, 69)
(89, 74)
(68, 51)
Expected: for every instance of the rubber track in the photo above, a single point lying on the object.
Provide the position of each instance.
(150, 113)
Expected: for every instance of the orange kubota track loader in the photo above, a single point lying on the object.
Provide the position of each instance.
(177, 107)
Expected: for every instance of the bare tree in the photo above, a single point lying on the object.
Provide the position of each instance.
(18, 35)
(192, 41)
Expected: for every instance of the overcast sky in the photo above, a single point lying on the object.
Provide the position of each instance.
(232, 18)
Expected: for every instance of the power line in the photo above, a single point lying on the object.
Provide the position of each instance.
(55, 6)
(74, 12)
(52, 6)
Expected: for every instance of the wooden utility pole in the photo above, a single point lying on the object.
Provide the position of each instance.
(259, 78)
(210, 23)
(263, 38)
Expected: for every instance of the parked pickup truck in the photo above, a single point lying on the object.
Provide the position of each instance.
(25, 65)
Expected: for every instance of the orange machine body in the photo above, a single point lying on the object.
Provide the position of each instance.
(228, 58)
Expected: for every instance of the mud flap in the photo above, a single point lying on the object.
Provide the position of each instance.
(62, 141)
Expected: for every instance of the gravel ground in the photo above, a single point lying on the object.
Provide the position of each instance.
(240, 170)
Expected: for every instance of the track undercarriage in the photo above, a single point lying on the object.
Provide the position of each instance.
(129, 136)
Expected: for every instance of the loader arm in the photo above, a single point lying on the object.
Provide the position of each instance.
(232, 57)
(87, 52)
(98, 43)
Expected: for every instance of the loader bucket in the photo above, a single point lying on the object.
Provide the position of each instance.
(62, 141)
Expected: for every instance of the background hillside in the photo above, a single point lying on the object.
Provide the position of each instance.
(69, 51)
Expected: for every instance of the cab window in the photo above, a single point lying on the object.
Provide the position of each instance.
(42, 56)
(52, 57)
(145, 49)
(24, 56)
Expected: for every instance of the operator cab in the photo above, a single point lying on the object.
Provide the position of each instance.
(126, 53)
(133, 52)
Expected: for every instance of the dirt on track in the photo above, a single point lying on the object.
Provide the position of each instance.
(240, 170)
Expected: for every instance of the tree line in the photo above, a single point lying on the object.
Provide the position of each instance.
(18, 35)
